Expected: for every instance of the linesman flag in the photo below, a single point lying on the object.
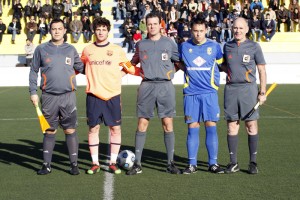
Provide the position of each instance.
(43, 122)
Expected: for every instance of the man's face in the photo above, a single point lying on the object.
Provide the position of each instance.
(153, 26)
(240, 29)
(101, 33)
(198, 33)
(57, 31)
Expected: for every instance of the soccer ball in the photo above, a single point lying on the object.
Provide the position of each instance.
(126, 159)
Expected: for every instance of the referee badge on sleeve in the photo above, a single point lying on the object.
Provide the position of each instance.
(164, 56)
(246, 58)
(68, 61)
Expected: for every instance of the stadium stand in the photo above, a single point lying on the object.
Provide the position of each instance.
(281, 42)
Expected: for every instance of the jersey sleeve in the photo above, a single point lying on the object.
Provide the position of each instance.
(78, 65)
(259, 56)
(136, 57)
(219, 56)
(34, 70)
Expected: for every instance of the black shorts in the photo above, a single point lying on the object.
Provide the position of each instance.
(99, 111)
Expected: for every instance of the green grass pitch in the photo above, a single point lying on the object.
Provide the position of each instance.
(278, 155)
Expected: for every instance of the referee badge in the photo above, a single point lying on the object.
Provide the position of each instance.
(209, 50)
(246, 58)
(164, 56)
(68, 61)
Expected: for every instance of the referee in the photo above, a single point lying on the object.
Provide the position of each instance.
(243, 57)
(57, 62)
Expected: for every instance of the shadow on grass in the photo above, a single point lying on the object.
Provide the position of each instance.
(28, 154)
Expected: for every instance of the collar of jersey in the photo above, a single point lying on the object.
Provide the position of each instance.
(104, 45)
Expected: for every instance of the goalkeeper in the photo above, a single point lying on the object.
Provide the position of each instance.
(103, 101)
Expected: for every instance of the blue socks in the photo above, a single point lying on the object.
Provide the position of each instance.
(192, 144)
(212, 144)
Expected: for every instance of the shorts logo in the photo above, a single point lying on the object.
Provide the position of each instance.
(209, 50)
(68, 61)
(246, 58)
(187, 118)
(229, 56)
(109, 53)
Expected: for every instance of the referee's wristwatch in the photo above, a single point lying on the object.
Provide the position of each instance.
(262, 93)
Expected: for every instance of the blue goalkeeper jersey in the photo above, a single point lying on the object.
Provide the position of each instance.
(201, 66)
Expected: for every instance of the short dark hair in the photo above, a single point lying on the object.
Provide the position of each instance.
(153, 15)
(54, 21)
(101, 21)
(199, 21)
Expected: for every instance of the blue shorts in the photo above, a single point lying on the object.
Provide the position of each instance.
(99, 111)
(201, 108)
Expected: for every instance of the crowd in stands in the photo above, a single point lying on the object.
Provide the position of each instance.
(37, 18)
(176, 17)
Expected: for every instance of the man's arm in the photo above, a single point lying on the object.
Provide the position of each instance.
(263, 82)
(33, 75)
(78, 64)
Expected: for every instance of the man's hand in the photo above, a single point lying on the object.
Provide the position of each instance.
(34, 99)
(262, 98)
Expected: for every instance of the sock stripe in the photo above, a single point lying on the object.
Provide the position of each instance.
(93, 145)
(115, 143)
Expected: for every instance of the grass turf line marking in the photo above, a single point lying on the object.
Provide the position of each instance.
(281, 110)
(108, 185)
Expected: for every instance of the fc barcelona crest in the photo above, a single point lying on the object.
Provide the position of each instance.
(209, 50)
(109, 53)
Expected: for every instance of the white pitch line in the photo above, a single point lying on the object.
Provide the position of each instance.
(132, 117)
(108, 185)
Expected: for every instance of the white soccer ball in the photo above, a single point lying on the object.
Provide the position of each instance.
(126, 159)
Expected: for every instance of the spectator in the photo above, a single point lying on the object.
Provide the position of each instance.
(47, 11)
(76, 28)
(31, 28)
(159, 11)
(165, 4)
(215, 6)
(28, 11)
(1, 10)
(120, 10)
(29, 50)
(246, 4)
(213, 31)
(258, 14)
(272, 15)
(172, 32)
(255, 27)
(84, 9)
(96, 8)
(202, 6)
(132, 9)
(137, 37)
(295, 20)
(246, 14)
(128, 40)
(2, 29)
(86, 28)
(42, 28)
(193, 6)
(209, 13)
(269, 27)
(293, 4)
(142, 25)
(17, 10)
(14, 28)
(186, 33)
(238, 7)
(68, 9)
(283, 17)
(145, 11)
(141, 7)
(57, 9)
(173, 16)
(37, 10)
(184, 9)
(256, 4)
(226, 27)
(224, 9)
(66, 22)
(176, 5)
(275, 5)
